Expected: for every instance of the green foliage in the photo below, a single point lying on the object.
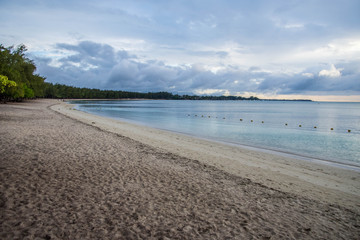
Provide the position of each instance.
(63, 91)
(16, 66)
(28, 92)
(6, 84)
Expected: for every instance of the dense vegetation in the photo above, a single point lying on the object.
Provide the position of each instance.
(17, 75)
(64, 91)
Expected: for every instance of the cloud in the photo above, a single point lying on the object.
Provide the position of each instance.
(85, 64)
(212, 92)
(95, 65)
(136, 76)
(309, 75)
(333, 72)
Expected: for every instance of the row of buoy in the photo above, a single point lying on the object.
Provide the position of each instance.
(241, 120)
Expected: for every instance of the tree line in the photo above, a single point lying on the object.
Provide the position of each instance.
(17, 75)
(64, 91)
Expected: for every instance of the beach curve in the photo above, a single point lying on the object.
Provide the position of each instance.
(283, 172)
(63, 179)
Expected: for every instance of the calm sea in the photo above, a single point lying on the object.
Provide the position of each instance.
(315, 130)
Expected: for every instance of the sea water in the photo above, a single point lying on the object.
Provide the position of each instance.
(315, 130)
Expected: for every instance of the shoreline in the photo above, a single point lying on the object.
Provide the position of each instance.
(282, 172)
(328, 162)
(333, 163)
(350, 164)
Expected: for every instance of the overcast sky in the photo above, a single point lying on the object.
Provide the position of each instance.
(278, 49)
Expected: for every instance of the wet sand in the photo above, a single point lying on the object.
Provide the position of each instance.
(71, 175)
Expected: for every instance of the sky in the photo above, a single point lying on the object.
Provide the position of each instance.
(308, 49)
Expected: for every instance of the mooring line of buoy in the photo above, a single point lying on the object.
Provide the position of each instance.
(286, 124)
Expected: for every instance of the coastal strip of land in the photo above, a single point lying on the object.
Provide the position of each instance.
(66, 174)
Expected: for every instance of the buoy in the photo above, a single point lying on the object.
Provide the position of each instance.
(202, 115)
(195, 115)
(262, 121)
(209, 116)
(300, 125)
(223, 117)
(315, 127)
(285, 124)
(251, 120)
(240, 119)
(331, 129)
(349, 130)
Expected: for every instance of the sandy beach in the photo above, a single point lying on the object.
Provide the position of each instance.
(66, 174)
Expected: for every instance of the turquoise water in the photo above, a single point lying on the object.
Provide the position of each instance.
(272, 125)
